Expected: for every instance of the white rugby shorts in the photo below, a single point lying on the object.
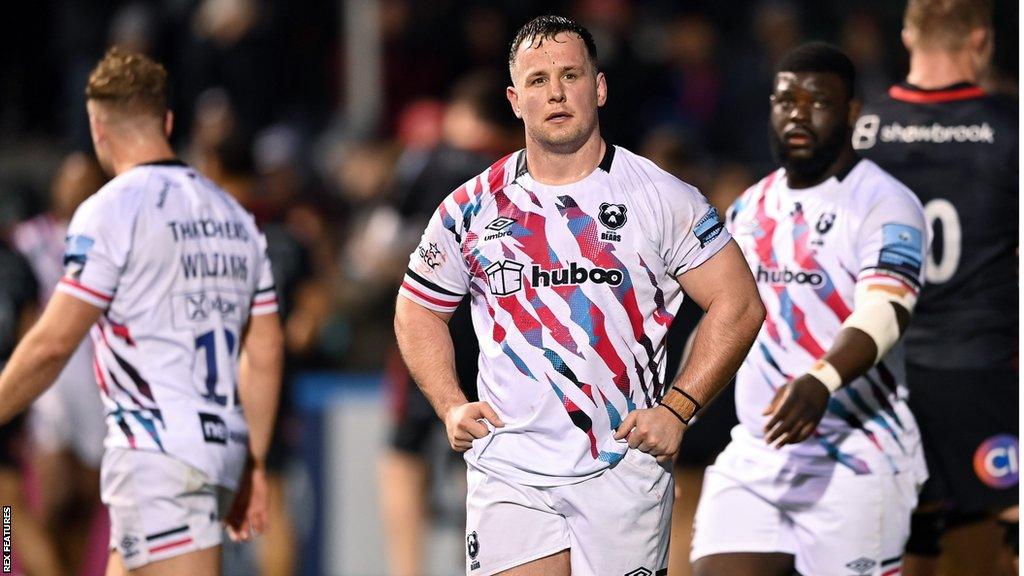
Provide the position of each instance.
(838, 525)
(159, 506)
(616, 523)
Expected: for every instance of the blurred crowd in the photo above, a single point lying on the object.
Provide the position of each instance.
(259, 90)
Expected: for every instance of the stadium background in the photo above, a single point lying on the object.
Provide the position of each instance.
(317, 108)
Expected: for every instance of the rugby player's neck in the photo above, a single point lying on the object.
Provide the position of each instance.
(130, 150)
(938, 69)
(558, 168)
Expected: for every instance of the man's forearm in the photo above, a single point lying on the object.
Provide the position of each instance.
(721, 343)
(259, 385)
(33, 367)
(259, 392)
(426, 347)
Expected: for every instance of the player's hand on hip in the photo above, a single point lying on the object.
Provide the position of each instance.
(247, 517)
(795, 411)
(465, 423)
(654, 431)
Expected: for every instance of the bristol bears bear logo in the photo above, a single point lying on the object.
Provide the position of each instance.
(613, 216)
(472, 549)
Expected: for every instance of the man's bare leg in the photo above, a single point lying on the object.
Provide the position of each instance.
(403, 495)
(205, 562)
(555, 565)
(746, 563)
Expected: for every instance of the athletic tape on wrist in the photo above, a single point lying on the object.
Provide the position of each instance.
(684, 406)
(826, 374)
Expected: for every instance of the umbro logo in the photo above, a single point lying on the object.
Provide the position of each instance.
(861, 565)
(500, 223)
(500, 226)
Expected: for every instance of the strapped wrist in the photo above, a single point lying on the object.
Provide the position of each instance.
(681, 404)
(827, 374)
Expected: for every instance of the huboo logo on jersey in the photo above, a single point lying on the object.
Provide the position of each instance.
(505, 277)
(997, 461)
(868, 131)
(784, 276)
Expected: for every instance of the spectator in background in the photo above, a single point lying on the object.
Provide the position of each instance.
(477, 128)
(67, 422)
(231, 46)
(775, 26)
(365, 263)
(694, 77)
(863, 41)
(301, 303)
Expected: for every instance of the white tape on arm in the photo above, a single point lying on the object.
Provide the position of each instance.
(826, 374)
(874, 314)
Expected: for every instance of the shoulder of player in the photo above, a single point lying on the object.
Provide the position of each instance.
(116, 199)
(872, 185)
(1005, 108)
(466, 198)
(1001, 106)
(640, 174)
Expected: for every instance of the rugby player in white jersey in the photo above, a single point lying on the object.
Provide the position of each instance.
(825, 466)
(575, 254)
(170, 274)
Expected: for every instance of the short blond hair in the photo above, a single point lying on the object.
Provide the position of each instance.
(945, 24)
(130, 82)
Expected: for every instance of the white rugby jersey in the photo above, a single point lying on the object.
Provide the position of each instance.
(178, 267)
(573, 288)
(807, 249)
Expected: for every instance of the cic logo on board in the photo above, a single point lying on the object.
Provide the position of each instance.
(997, 461)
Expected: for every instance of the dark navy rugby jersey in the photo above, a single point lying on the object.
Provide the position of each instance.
(956, 148)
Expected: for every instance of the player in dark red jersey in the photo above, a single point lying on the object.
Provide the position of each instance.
(956, 147)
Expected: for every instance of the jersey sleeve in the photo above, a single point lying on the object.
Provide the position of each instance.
(438, 277)
(892, 243)
(693, 230)
(99, 239)
(264, 300)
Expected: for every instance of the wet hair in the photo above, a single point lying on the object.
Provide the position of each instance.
(546, 28)
(945, 24)
(820, 57)
(129, 81)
